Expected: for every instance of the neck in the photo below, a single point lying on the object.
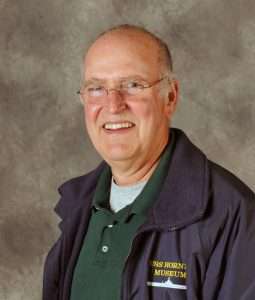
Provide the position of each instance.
(130, 174)
(130, 177)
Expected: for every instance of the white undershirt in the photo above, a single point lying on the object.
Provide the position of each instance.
(121, 196)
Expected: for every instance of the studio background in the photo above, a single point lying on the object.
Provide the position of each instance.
(42, 136)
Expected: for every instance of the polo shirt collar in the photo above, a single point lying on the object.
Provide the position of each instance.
(102, 192)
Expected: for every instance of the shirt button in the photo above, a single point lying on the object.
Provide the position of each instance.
(110, 226)
(105, 249)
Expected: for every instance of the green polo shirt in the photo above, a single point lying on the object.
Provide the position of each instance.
(98, 272)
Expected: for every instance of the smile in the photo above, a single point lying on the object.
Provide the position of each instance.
(119, 125)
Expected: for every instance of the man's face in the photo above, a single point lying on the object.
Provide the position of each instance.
(126, 130)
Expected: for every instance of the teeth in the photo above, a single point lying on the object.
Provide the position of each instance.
(114, 126)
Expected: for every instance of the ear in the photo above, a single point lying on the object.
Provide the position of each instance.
(172, 97)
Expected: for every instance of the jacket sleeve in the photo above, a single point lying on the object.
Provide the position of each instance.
(239, 279)
(52, 272)
(232, 261)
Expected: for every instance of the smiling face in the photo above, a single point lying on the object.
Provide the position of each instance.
(127, 131)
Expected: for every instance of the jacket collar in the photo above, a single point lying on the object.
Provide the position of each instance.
(183, 198)
(185, 193)
(76, 195)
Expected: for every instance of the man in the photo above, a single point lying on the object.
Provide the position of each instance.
(156, 219)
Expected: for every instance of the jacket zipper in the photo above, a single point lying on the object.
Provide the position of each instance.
(172, 228)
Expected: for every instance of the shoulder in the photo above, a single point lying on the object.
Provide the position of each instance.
(221, 183)
(77, 184)
(226, 186)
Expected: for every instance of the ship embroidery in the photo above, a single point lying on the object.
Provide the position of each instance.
(167, 284)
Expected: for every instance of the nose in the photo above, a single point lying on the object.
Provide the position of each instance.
(115, 101)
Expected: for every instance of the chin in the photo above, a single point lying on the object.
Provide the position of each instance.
(117, 155)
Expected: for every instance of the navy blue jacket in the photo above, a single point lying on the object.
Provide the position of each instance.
(198, 241)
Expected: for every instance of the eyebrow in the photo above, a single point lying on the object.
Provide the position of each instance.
(104, 80)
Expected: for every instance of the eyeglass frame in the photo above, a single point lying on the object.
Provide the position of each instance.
(120, 90)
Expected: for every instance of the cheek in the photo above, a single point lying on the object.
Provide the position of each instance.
(91, 114)
(148, 112)
(142, 110)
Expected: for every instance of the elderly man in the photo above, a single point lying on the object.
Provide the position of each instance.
(156, 219)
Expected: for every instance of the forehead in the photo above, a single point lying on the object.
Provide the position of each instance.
(122, 54)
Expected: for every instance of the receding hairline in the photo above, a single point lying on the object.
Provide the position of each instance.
(165, 58)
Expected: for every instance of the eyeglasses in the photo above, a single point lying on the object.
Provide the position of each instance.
(131, 87)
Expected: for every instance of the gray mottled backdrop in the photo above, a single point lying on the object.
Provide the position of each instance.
(42, 137)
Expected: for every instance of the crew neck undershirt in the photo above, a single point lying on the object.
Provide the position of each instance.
(121, 196)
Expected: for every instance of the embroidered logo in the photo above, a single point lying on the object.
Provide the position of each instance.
(166, 273)
(167, 284)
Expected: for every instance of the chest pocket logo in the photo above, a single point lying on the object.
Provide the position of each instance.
(167, 274)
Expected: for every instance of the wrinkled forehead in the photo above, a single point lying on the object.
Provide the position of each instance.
(121, 54)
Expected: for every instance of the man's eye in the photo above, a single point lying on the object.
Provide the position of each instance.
(94, 88)
(133, 85)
